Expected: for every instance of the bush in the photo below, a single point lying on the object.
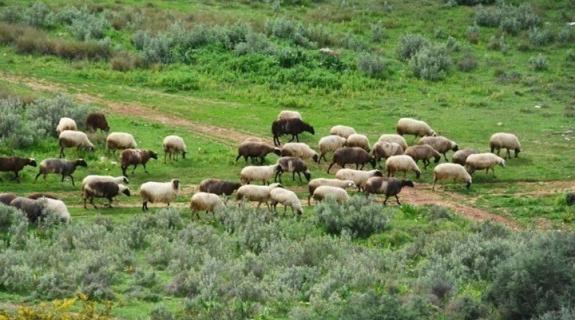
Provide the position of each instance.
(509, 18)
(358, 217)
(38, 15)
(539, 62)
(86, 26)
(467, 63)
(157, 50)
(124, 61)
(431, 63)
(378, 33)
(497, 43)
(452, 44)
(289, 30)
(540, 37)
(487, 17)
(371, 65)
(288, 58)
(466, 308)
(354, 43)
(538, 279)
(566, 35)
(409, 45)
(473, 34)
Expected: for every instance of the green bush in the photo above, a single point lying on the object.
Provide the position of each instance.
(539, 62)
(473, 34)
(540, 37)
(38, 15)
(431, 63)
(467, 63)
(86, 26)
(509, 18)
(410, 44)
(566, 35)
(358, 217)
(371, 65)
(378, 33)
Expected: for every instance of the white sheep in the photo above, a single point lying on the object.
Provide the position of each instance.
(300, 150)
(260, 194)
(173, 146)
(358, 140)
(66, 124)
(502, 140)
(92, 178)
(287, 114)
(154, 192)
(120, 141)
(71, 139)
(329, 192)
(317, 182)
(401, 163)
(359, 177)
(329, 144)
(342, 131)
(384, 150)
(447, 171)
(480, 161)
(203, 201)
(57, 208)
(258, 173)
(395, 138)
(415, 127)
(286, 197)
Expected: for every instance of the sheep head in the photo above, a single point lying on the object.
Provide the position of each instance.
(81, 163)
(307, 175)
(176, 184)
(31, 162)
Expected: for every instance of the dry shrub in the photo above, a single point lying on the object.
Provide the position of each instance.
(124, 61)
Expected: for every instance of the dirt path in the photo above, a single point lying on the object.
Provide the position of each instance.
(421, 195)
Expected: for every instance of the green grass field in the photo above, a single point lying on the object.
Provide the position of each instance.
(250, 60)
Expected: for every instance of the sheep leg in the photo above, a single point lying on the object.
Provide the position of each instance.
(145, 206)
(124, 171)
(72, 178)
(397, 199)
(299, 176)
(434, 181)
(134, 169)
(61, 152)
(285, 209)
(385, 201)
(293, 176)
(145, 170)
(309, 200)
(445, 157)
(425, 164)
(516, 153)
(166, 156)
(262, 160)
(508, 154)
(92, 203)
(110, 203)
(328, 168)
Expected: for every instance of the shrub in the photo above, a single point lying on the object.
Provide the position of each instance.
(564, 314)
(509, 18)
(378, 33)
(161, 313)
(452, 44)
(255, 43)
(358, 217)
(540, 37)
(430, 63)
(539, 62)
(38, 15)
(288, 57)
(497, 43)
(473, 34)
(466, 308)
(288, 29)
(538, 279)
(409, 45)
(570, 56)
(86, 26)
(566, 35)
(487, 17)
(467, 63)
(354, 43)
(157, 50)
(124, 61)
(371, 65)
(11, 14)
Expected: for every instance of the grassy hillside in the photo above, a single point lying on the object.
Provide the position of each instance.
(468, 71)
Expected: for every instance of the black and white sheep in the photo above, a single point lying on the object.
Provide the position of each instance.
(74, 139)
(15, 164)
(159, 192)
(135, 157)
(33, 209)
(66, 168)
(6, 198)
(288, 114)
(103, 189)
(91, 178)
(384, 150)
(219, 187)
(290, 126)
(395, 138)
(329, 144)
(315, 183)
(460, 156)
(293, 165)
(388, 187)
(359, 177)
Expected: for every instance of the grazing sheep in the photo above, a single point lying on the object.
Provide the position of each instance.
(329, 144)
(388, 187)
(253, 150)
(358, 140)
(384, 150)
(300, 150)
(38, 195)
(6, 198)
(480, 161)
(118, 180)
(502, 140)
(446, 171)
(352, 155)
(219, 187)
(208, 202)
(402, 163)
(135, 157)
(257, 173)
(395, 138)
(569, 198)
(103, 189)
(120, 141)
(423, 152)
(59, 166)
(261, 194)
(289, 126)
(440, 144)
(315, 183)
(97, 120)
(33, 209)
(66, 124)
(15, 164)
(173, 146)
(357, 176)
(71, 139)
(328, 192)
(155, 192)
(415, 127)
(461, 155)
(57, 208)
(293, 165)
(287, 114)
(342, 131)
(286, 197)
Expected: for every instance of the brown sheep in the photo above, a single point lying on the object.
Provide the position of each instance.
(15, 164)
(219, 187)
(355, 155)
(460, 156)
(135, 157)
(97, 120)
(423, 152)
(384, 150)
(293, 165)
(64, 167)
(253, 150)
(6, 198)
(441, 144)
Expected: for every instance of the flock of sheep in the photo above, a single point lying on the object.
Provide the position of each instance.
(347, 147)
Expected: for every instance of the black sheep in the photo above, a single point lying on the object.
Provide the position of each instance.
(345, 155)
(255, 150)
(292, 126)
(388, 187)
(97, 120)
(219, 187)
(15, 164)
